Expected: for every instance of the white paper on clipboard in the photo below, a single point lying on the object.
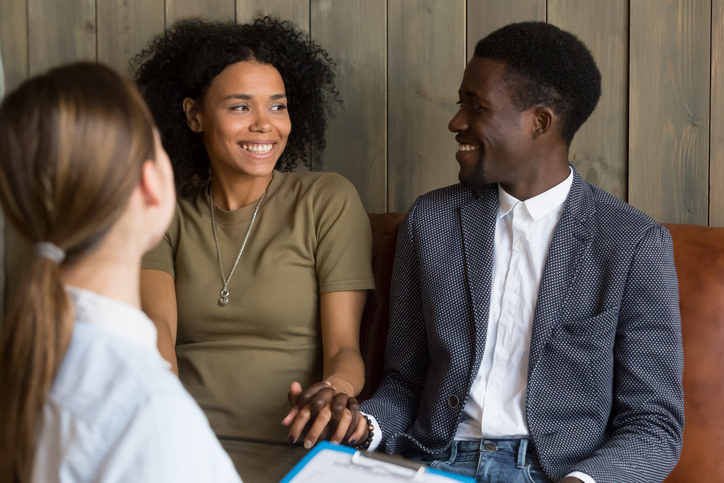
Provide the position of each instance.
(328, 463)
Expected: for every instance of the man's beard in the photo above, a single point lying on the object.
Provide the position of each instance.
(476, 179)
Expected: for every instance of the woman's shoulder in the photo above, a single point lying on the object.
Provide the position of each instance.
(322, 184)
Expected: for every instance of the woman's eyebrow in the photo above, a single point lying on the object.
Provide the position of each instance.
(248, 97)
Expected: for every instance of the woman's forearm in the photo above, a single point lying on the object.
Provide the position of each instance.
(346, 371)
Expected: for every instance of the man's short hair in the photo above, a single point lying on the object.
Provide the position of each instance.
(546, 65)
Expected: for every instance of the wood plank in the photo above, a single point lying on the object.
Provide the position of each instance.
(125, 27)
(14, 42)
(61, 31)
(14, 62)
(669, 92)
(485, 16)
(426, 60)
(354, 34)
(209, 9)
(296, 11)
(600, 147)
(716, 146)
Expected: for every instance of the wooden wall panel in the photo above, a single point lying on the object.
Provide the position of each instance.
(60, 31)
(716, 160)
(357, 137)
(125, 27)
(426, 59)
(209, 9)
(297, 11)
(600, 148)
(669, 109)
(14, 41)
(485, 16)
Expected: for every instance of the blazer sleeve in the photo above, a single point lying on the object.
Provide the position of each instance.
(646, 426)
(394, 404)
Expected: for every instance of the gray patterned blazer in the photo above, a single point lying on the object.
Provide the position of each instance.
(604, 378)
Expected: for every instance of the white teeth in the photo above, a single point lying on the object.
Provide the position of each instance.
(468, 147)
(258, 148)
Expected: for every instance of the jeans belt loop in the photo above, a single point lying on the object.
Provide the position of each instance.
(453, 452)
(522, 450)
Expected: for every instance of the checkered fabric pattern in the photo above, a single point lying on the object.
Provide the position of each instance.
(604, 379)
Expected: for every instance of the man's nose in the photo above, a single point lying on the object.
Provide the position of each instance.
(458, 122)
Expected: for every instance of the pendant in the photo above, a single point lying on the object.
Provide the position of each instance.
(224, 299)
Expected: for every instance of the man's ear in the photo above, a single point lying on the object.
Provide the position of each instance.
(151, 185)
(191, 109)
(543, 120)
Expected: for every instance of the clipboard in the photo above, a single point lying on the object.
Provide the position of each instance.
(328, 463)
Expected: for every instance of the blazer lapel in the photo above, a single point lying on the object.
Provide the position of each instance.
(478, 220)
(571, 239)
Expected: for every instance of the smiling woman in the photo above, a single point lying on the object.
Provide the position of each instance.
(259, 284)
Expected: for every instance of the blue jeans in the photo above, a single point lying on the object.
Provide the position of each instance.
(490, 461)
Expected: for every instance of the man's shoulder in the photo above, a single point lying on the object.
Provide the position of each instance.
(616, 218)
(444, 199)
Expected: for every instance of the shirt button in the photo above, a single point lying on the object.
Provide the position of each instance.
(518, 246)
(453, 401)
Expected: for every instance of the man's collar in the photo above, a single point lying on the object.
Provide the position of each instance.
(540, 205)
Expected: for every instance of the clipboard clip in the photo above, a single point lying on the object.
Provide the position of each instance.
(385, 458)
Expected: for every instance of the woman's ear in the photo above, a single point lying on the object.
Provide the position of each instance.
(191, 109)
(151, 185)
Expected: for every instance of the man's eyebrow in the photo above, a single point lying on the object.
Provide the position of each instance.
(473, 95)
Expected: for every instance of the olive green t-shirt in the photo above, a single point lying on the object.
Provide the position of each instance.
(311, 236)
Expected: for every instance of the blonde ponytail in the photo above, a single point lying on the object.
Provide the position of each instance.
(37, 332)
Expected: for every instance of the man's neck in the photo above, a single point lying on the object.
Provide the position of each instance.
(550, 170)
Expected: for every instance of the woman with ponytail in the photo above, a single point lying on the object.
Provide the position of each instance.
(84, 393)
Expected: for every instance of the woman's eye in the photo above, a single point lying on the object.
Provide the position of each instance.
(278, 107)
(242, 107)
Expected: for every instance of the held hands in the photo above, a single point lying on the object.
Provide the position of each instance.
(323, 412)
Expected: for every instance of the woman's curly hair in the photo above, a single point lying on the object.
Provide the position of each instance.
(184, 60)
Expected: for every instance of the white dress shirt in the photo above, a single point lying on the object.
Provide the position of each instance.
(495, 407)
(116, 413)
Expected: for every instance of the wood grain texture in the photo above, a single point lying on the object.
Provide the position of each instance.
(60, 31)
(357, 137)
(485, 16)
(14, 41)
(426, 59)
(600, 148)
(296, 11)
(208, 9)
(125, 27)
(669, 109)
(716, 150)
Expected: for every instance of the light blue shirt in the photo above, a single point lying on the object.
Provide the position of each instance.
(116, 414)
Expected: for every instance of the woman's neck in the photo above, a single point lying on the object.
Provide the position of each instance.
(106, 272)
(232, 193)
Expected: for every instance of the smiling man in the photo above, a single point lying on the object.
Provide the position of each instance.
(535, 328)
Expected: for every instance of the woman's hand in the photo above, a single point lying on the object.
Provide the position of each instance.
(323, 412)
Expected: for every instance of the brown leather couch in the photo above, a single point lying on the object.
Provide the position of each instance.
(699, 257)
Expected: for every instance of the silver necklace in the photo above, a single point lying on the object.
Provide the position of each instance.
(224, 299)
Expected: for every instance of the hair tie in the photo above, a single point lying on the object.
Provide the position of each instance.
(50, 251)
